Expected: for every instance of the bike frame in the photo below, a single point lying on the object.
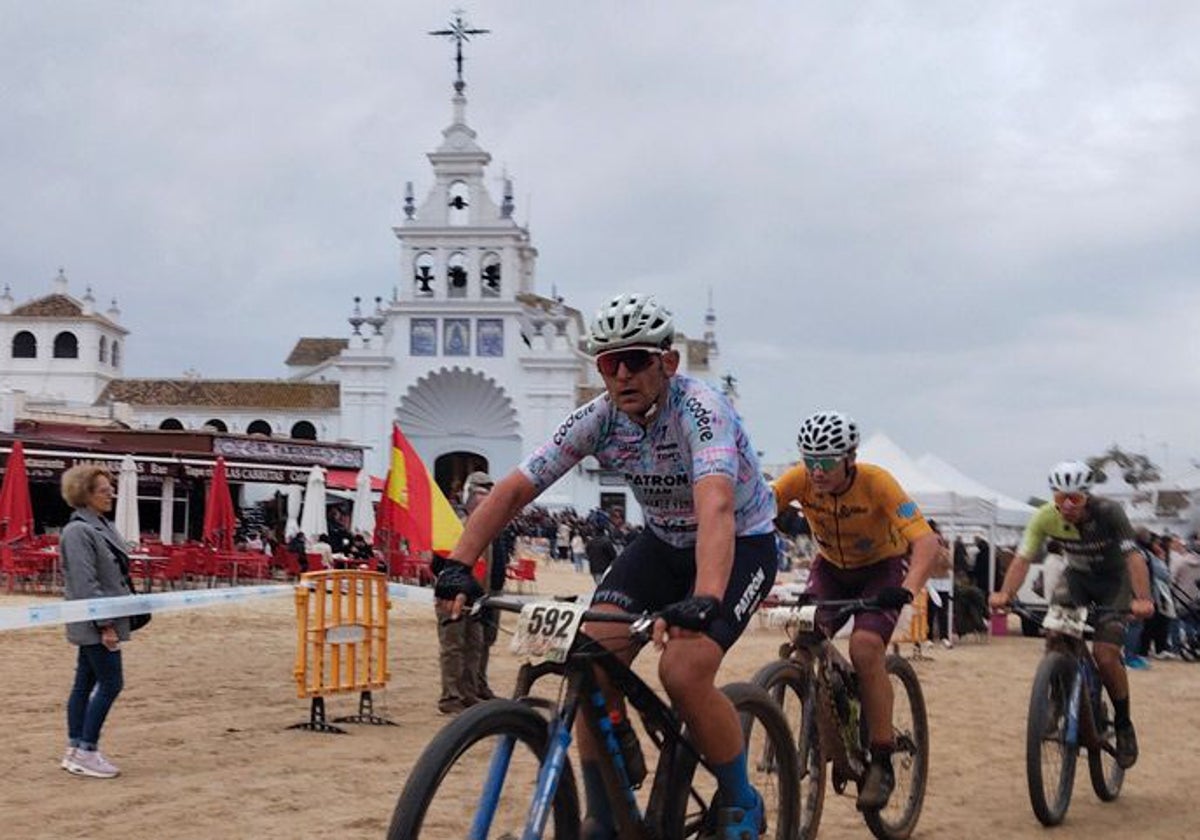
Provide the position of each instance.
(1079, 732)
(813, 652)
(583, 693)
(1081, 727)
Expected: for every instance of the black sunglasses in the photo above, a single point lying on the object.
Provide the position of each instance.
(635, 359)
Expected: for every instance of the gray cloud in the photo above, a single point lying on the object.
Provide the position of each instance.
(974, 225)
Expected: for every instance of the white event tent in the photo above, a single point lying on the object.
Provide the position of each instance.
(938, 500)
(1009, 512)
(945, 494)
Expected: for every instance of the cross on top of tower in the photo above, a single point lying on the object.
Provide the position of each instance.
(459, 31)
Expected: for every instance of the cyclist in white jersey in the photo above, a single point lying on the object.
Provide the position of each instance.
(706, 558)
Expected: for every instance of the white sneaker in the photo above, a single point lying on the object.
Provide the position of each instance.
(91, 763)
(67, 758)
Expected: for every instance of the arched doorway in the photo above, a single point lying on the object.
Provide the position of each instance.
(450, 471)
(460, 421)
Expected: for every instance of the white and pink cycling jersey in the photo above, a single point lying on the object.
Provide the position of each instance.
(696, 433)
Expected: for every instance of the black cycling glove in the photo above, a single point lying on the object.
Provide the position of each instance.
(893, 597)
(454, 580)
(695, 613)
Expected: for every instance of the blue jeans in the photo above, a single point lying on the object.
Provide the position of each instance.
(98, 681)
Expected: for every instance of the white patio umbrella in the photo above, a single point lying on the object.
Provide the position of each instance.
(127, 523)
(312, 519)
(362, 515)
(293, 512)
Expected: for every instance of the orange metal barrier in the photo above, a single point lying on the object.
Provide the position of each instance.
(341, 641)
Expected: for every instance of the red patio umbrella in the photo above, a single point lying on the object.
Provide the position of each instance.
(16, 510)
(219, 519)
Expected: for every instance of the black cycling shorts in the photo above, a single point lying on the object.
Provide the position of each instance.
(650, 574)
(1076, 588)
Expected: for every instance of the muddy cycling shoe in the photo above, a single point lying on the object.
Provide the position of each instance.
(738, 823)
(1127, 748)
(877, 786)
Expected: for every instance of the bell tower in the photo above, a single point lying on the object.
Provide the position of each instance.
(458, 242)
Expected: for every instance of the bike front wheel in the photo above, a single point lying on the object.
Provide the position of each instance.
(1107, 775)
(910, 761)
(690, 802)
(1049, 758)
(480, 771)
(790, 686)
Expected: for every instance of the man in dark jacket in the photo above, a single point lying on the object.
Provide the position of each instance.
(600, 554)
(463, 643)
(983, 566)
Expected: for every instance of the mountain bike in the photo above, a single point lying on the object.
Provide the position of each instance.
(501, 769)
(1068, 709)
(816, 687)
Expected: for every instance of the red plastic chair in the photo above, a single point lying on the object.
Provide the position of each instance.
(33, 567)
(169, 571)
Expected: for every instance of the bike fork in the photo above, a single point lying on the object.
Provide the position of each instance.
(492, 786)
(547, 780)
(1072, 710)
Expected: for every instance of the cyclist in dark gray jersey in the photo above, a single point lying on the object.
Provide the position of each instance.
(1104, 567)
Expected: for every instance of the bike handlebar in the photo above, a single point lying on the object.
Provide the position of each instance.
(846, 607)
(639, 622)
(1037, 616)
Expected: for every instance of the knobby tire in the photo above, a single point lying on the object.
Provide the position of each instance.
(757, 710)
(790, 686)
(1107, 776)
(487, 720)
(1050, 786)
(910, 760)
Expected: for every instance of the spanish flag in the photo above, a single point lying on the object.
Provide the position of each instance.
(413, 505)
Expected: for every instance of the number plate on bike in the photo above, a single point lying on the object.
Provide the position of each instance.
(545, 630)
(1070, 621)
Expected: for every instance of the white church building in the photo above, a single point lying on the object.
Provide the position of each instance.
(476, 366)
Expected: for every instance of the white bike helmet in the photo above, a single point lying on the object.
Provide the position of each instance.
(1071, 477)
(828, 433)
(630, 320)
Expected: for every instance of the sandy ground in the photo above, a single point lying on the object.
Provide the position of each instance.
(200, 735)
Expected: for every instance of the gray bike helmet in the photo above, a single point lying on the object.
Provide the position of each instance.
(630, 320)
(828, 433)
(1071, 477)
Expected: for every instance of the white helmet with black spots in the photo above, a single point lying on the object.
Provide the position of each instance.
(828, 433)
(630, 320)
(1071, 477)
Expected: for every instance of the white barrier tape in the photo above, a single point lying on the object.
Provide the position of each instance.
(95, 609)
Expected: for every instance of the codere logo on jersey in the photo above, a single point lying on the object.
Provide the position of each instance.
(571, 420)
(702, 416)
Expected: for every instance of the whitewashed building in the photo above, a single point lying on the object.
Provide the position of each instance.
(59, 347)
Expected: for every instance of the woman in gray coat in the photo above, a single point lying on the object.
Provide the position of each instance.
(94, 566)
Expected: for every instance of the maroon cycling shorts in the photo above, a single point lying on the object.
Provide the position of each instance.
(829, 582)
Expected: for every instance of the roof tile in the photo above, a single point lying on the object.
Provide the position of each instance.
(223, 393)
(313, 351)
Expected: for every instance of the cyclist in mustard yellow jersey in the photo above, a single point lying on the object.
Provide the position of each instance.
(872, 542)
(1104, 567)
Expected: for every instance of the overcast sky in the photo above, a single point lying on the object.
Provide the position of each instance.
(975, 226)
